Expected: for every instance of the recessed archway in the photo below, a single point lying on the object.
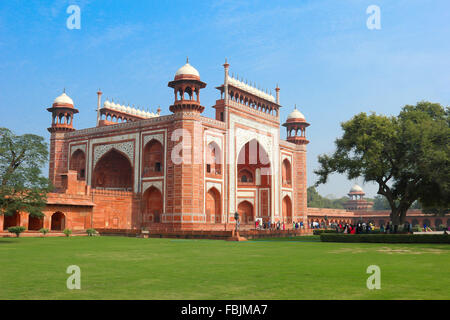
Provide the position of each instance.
(245, 210)
(11, 221)
(35, 223)
(287, 209)
(286, 173)
(58, 221)
(153, 163)
(153, 205)
(213, 206)
(78, 163)
(113, 171)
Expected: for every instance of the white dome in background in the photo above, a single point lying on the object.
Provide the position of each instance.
(296, 115)
(187, 69)
(64, 98)
(356, 188)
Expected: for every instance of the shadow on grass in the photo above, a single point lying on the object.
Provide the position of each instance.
(8, 240)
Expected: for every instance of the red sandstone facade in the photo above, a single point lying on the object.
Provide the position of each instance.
(139, 170)
(182, 171)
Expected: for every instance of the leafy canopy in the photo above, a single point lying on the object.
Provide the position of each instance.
(22, 186)
(407, 156)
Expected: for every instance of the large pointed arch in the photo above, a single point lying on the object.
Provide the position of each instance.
(252, 156)
(113, 171)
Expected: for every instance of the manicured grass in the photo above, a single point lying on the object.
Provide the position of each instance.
(131, 268)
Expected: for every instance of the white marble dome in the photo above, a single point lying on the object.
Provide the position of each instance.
(296, 115)
(187, 69)
(64, 98)
(356, 188)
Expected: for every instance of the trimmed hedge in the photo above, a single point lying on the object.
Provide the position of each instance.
(386, 238)
(318, 232)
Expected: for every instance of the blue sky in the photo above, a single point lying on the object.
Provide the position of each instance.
(320, 52)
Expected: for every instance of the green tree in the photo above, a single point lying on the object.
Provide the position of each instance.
(315, 200)
(407, 156)
(22, 186)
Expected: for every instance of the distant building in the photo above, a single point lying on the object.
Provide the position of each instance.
(357, 201)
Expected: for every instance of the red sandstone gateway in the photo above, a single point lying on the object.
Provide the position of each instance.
(138, 169)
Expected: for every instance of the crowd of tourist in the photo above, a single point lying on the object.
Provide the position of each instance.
(357, 228)
(277, 225)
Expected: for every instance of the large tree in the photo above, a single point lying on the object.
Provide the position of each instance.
(22, 186)
(407, 156)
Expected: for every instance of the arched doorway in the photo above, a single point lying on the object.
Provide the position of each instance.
(153, 205)
(213, 207)
(113, 171)
(245, 210)
(153, 164)
(58, 221)
(11, 221)
(287, 209)
(35, 223)
(78, 163)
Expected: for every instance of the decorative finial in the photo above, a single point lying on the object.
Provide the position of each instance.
(187, 59)
(64, 90)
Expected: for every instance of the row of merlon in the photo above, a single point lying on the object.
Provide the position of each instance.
(129, 110)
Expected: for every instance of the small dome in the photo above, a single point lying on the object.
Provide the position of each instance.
(356, 188)
(187, 69)
(295, 115)
(64, 98)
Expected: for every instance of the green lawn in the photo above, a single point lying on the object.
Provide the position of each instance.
(131, 268)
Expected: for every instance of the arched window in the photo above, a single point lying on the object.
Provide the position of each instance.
(78, 163)
(153, 164)
(113, 171)
(286, 173)
(245, 176)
